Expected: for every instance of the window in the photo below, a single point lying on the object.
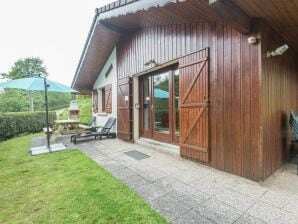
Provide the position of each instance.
(95, 101)
(102, 99)
(109, 71)
(105, 99)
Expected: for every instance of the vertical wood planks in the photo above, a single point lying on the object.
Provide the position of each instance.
(234, 90)
(279, 96)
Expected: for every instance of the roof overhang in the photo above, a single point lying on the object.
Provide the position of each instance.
(99, 45)
(282, 15)
(119, 18)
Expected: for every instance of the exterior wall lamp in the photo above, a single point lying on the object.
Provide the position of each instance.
(278, 51)
(151, 63)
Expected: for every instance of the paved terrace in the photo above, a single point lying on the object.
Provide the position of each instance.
(187, 192)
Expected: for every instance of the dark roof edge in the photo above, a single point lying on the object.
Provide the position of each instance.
(114, 5)
(85, 48)
(109, 7)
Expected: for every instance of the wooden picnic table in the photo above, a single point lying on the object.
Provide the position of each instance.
(67, 126)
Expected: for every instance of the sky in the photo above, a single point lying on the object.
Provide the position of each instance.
(54, 30)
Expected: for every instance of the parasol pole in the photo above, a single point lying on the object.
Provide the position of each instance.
(47, 112)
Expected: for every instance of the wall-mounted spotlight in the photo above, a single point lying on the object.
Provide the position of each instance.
(278, 51)
(252, 40)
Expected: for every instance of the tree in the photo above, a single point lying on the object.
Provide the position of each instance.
(3, 77)
(27, 67)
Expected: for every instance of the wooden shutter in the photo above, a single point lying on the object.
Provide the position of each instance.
(194, 95)
(95, 101)
(108, 99)
(124, 109)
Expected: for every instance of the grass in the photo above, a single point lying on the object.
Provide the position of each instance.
(85, 106)
(64, 187)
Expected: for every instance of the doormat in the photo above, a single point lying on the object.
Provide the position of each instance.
(137, 155)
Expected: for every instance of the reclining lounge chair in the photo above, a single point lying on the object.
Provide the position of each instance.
(89, 125)
(98, 132)
(294, 127)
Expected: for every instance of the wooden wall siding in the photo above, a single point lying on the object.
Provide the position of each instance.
(280, 95)
(235, 135)
(234, 127)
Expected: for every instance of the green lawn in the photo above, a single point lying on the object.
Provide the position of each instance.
(64, 187)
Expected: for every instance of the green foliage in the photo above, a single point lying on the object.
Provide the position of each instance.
(27, 67)
(18, 100)
(12, 124)
(3, 75)
(64, 187)
(85, 106)
(14, 100)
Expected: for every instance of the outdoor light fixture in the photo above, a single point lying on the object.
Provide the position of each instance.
(278, 51)
(252, 40)
(151, 62)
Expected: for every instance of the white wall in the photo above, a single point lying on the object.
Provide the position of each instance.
(103, 81)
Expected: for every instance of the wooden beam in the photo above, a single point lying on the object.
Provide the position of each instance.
(232, 15)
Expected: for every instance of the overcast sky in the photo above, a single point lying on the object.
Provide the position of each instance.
(54, 30)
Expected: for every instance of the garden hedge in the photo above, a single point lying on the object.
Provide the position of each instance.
(15, 123)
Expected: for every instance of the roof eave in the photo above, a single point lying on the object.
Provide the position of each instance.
(91, 30)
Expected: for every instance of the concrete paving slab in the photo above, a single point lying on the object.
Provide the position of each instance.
(236, 200)
(136, 182)
(165, 183)
(192, 217)
(272, 215)
(218, 212)
(247, 219)
(208, 185)
(123, 174)
(112, 165)
(150, 191)
(276, 198)
(170, 207)
(188, 192)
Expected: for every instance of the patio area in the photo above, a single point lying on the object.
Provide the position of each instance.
(188, 192)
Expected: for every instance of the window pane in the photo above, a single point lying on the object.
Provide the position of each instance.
(146, 105)
(161, 102)
(176, 101)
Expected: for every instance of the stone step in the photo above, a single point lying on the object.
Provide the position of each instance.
(159, 146)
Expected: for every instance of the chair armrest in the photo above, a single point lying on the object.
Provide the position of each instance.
(98, 127)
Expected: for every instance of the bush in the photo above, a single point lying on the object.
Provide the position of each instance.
(16, 100)
(15, 123)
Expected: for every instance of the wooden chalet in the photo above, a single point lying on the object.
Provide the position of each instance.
(217, 78)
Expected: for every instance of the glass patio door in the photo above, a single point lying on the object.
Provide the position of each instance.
(160, 106)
